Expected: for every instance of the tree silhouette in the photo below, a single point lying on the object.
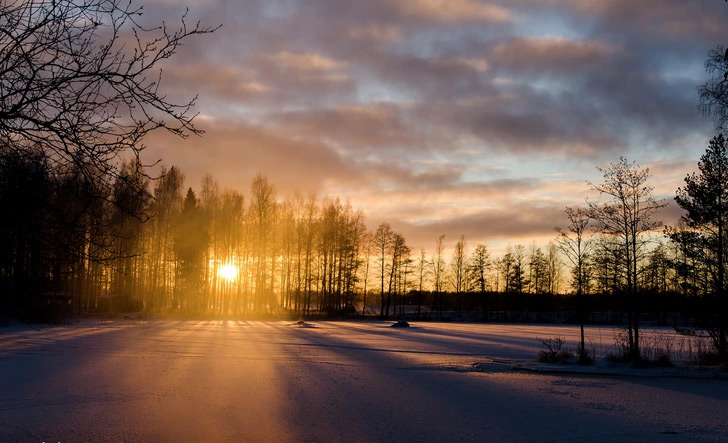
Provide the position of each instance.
(714, 92)
(553, 268)
(438, 274)
(705, 198)
(382, 242)
(537, 271)
(25, 189)
(422, 269)
(398, 272)
(627, 215)
(478, 269)
(576, 246)
(78, 80)
(165, 210)
(79, 90)
(367, 246)
(458, 269)
(518, 278)
(190, 244)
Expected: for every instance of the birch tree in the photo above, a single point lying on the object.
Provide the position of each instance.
(628, 214)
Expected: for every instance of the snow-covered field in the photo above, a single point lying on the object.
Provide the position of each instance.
(337, 381)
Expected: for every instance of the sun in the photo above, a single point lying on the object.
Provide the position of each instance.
(228, 272)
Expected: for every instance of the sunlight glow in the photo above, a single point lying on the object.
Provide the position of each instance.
(228, 272)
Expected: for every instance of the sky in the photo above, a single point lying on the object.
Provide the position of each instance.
(456, 117)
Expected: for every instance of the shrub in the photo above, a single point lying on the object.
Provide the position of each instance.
(586, 358)
(619, 352)
(663, 360)
(554, 351)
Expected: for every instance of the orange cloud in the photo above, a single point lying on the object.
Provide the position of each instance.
(375, 32)
(552, 52)
(455, 10)
(307, 62)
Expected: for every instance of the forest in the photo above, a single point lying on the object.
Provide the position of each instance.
(160, 246)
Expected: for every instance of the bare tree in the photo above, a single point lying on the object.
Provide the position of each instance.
(262, 211)
(367, 244)
(438, 273)
(209, 202)
(505, 265)
(422, 271)
(658, 272)
(553, 264)
(479, 265)
(80, 87)
(308, 223)
(518, 269)
(627, 214)
(400, 267)
(714, 92)
(459, 271)
(77, 78)
(165, 212)
(382, 242)
(576, 246)
(537, 271)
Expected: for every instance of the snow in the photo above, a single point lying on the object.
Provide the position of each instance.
(170, 380)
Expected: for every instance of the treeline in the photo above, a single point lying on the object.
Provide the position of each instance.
(612, 247)
(161, 246)
(157, 245)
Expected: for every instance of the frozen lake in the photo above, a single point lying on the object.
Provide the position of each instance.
(337, 381)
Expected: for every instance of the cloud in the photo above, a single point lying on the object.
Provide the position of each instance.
(234, 152)
(223, 82)
(356, 128)
(506, 225)
(306, 62)
(674, 18)
(386, 33)
(551, 53)
(454, 10)
(461, 116)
